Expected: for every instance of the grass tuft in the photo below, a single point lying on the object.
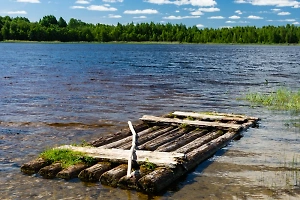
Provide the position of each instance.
(66, 157)
(281, 99)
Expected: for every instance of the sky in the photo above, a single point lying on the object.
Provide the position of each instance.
(200, 13)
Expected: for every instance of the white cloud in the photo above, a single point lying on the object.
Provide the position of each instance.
(211, 9)
(277, 3)
(140, 17)
(230, 22)
(101, 8)
(238, 12)
(254, 17)
(112, 1)
(198, 12)
(146, 11)
(296, 23)
(29, 1)
(180, 17)
(82, 2)
(20, 12)
(276, 9)
(287, 20)
(200, 25)
(216, 17)
(202, 3)
(177, 11)
(284, 13)
(114, 16)
(234, 17)
(77, 7)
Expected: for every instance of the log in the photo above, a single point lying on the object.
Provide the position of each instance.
(181, 141)
(93, 173)
(112, 177)
(199, 141)
(169, 159)
(50, 171)
(169, 136)
(145, 138)
(196, 123)
(34, 166)
(131, 182)
(127, 140)
(117, 136)
(156, 181)
(212, 117)
(71, 172)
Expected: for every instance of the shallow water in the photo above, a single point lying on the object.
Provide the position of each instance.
(52, 94)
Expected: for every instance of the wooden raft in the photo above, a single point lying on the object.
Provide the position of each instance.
(168, 147)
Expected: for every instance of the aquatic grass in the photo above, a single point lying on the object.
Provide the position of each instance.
(281, 99)
(66, 157)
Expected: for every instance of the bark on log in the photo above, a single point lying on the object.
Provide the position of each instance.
(195, 123)
(71, 172)
(212, 117)
(164, 138)
(181, 141)
(93, 173)
(34, 166)
(112, 177)
(50, 171)
(127, 140)
(132, 181)
(117, 136)
(145, 138)
(199, 141)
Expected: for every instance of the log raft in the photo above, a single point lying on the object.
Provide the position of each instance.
(168, 147)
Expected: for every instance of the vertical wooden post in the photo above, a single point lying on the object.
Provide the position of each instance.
(132, 149)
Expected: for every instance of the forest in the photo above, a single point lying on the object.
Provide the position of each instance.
(49, 28)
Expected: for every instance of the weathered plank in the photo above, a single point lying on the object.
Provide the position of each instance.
(237, 118)
(195, 123)
(168, 159)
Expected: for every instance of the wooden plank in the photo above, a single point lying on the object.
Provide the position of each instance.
(237, 118)
(196, 123)
(168, 159)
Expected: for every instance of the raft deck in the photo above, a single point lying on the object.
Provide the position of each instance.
(167, 148)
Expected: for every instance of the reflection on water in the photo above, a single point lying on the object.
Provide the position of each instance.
(53, 94)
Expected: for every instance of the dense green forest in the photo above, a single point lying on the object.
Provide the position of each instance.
(49, 28)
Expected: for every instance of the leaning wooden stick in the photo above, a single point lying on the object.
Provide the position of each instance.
(132, 150)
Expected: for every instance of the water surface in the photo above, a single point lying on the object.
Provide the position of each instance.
(53, 94)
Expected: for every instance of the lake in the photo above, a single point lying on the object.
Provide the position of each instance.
(53, 94)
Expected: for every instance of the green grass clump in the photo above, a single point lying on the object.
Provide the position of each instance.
(66, 157)
(281, 99)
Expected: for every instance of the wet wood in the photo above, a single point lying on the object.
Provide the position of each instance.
(50, 171)
(93, 173)
(117, 136)
(169, 159)
(181, 141)
(199, 141)
(212, 117)
(112, 177)
(131, 182)
(160, 140)
(195, 123)
(71, 172)
(34, 166)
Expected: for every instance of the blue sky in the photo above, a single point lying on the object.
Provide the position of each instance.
(202, 13)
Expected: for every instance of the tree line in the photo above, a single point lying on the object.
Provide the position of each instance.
(49, 28)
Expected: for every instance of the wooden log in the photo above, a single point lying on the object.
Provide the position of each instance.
(71, 172)
(112, 177)
(93, 173)
(127, 140)
(34, 166)
(156, 181)
(50, 171)
(169, 136)
(145, 138)
(199, 141)
(195, 123)
(117, 136)
(169, 159)
(212, 117)
(131, 182)
(181, 141)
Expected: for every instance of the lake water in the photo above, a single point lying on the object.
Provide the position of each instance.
(53, 94)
